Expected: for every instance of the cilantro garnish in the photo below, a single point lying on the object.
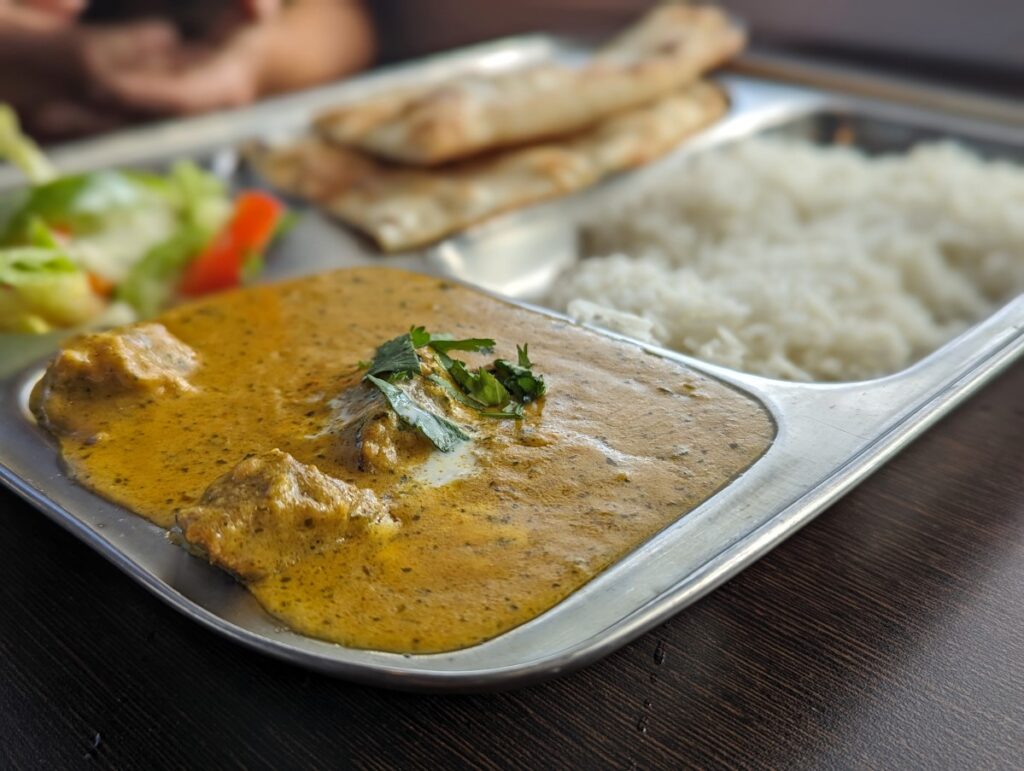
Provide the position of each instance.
(501, 384)
(442, 432)
(443, 342)
(498, 391)
(519, 379)
(395, 357)
(512, 410)
(481, 386)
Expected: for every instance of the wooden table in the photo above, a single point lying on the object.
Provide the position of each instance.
(887, 633)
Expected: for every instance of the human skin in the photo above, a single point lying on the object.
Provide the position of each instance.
(67, 78)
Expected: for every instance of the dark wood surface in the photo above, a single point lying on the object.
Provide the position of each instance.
(887, 633)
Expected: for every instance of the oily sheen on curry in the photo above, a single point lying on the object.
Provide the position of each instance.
(258, 442)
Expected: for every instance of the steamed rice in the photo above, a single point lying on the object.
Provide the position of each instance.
(806, 263)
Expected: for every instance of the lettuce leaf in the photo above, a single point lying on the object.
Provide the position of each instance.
(201, 197)
(82, 203)
(136, 229)
(21, 150)
(41, 288)
(150, 283)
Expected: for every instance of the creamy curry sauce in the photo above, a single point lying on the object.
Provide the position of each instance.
(487, 537)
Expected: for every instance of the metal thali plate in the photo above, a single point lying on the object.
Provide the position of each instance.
(829, 436)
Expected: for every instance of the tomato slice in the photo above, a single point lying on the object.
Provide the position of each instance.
(100, 285)
(253, 222)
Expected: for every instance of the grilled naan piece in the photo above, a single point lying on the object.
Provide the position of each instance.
(668, 49)
(402, 208)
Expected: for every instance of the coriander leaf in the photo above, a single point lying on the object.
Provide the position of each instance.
(482, 344)
(455, 393)
(395, 357)
(521, 383)
(488, 390)
(496, 392)
(444, 434)
(458, 371)
(419, 336)
(524, 357)
(481, 385)
(442, 342)
(511, 411)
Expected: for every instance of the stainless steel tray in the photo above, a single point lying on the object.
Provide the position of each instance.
(829, 437)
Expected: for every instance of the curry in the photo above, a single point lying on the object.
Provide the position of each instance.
(245, 425)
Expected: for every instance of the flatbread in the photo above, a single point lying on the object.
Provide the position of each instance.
(402, 208)
(668, 49)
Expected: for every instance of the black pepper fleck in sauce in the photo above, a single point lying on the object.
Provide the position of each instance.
(591, 473)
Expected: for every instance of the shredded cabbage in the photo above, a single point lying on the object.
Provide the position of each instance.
(135, 230)
(41, 288)
(20, 150)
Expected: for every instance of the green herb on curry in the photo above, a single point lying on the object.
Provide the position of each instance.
(499, 391)
(444, 434)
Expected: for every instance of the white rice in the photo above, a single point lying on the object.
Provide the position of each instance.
(806, 263)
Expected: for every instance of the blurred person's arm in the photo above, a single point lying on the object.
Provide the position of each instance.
(24, 22)
(298, 44)
(38, 45)
(314, 41)
(36, 34)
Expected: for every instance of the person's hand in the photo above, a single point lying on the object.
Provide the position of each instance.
(37, 67)
(68, 79)
(147, 67)
(39, 15)
(257, 47)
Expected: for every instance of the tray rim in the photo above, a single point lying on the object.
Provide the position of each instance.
(726, 562)
(402, 671)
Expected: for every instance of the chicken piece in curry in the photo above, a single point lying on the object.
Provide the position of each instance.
(346, 447)
(270, 511)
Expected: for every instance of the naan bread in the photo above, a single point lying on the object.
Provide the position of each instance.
(668, 49)
(402, 208)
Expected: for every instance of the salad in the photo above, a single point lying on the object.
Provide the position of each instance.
(112, 246)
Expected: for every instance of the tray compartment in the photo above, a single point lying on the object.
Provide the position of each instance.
(875, 133)
(505, 254)
(829, 437)
(522, 253)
